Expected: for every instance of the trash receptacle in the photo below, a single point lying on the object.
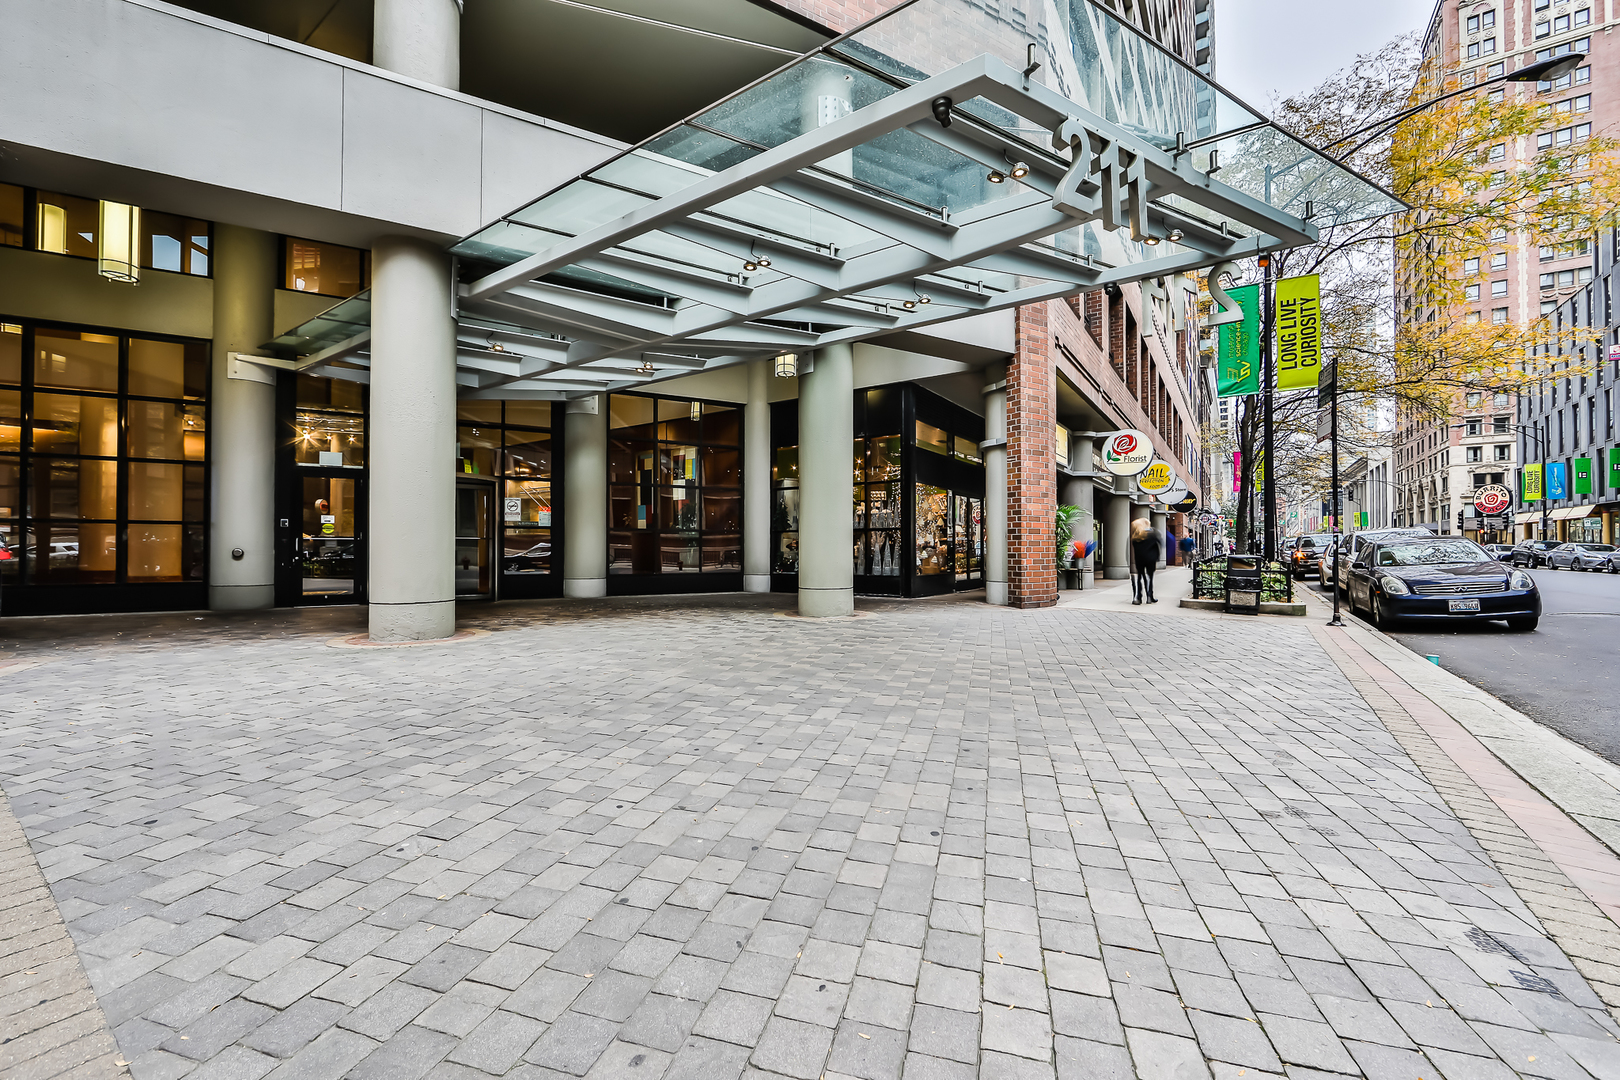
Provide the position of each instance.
(1243, 584)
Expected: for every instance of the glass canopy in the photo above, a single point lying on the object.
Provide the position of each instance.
(902, 175)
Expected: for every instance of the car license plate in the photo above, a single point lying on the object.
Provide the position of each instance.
(1465, 605)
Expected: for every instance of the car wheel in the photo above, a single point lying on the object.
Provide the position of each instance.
(1524, 625)
(1380, 614)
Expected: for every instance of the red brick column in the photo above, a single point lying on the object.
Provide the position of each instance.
(1032, 578)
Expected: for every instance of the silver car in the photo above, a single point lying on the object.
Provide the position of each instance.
(1575, 556)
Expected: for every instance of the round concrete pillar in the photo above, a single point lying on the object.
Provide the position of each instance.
(826, 484)
(757, 480)
(411, 546)
(1116, 537)
(1078, 491)
(995, 485)
(242, 425)
(420, 39)
(585, 510)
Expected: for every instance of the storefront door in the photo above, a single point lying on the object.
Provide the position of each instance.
(329, 548)
(968, 530)
(475, 530)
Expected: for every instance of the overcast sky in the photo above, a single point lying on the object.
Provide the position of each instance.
(1267, 50)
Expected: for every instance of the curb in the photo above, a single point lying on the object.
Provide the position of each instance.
(1581, 784)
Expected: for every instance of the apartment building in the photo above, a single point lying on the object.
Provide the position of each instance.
(1518, 279)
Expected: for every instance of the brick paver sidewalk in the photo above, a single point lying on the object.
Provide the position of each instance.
(626, 840)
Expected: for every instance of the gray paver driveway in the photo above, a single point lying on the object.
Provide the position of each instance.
(940, 840)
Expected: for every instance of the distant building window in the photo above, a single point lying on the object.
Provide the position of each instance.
(68, 225)
(329, 269)
(12, 201)
(1487, 47)
(1499, 315)
(1497, 152)
(1499, 288)
(1543, 29)
(1504, 452)
(1471, 293)
(1548, 306)
(1475, 453)
(1499, 261)
(1580, 77)
(1470, 266)
(1470, 317)
(1583, 16)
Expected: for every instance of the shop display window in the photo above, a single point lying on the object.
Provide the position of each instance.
(103, 458)
(674, 486)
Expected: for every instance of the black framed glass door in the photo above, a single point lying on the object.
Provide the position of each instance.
(475, 534)
(328, 558)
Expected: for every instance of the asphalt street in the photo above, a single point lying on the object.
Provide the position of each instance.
(1563, 674)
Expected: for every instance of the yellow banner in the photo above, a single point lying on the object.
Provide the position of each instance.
(1532, 484)
(1299, 332)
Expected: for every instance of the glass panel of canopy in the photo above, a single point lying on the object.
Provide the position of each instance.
(841, 198)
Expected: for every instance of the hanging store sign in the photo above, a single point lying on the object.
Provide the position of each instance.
(1614, 467)
(1299, 332)
(1186, 504)
(1583, 476)
(1557, 480)
(1492, 499)
(1532, 484)
(1127, 453)
(1238, 346)
(1156, 479)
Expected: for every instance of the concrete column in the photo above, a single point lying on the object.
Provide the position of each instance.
(826, 472)
(1116, 537)
(585, 510)
(411, 544)
(1159, 521)
(995, 485)
(242, 425)
(420, 39)
(1078, 491)
(757, 479)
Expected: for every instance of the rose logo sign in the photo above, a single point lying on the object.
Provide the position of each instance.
(1127, 453)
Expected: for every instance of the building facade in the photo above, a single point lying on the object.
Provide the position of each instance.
(1565, 425)
(241, 378)
(1518, 279)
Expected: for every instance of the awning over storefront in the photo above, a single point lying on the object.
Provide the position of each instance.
(1569, 513)
(946, 159)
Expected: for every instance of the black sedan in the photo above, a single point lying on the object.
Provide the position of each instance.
(1580, 556)
(1532, 553)
(1443, 577)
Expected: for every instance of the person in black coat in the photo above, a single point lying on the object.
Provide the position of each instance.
(1146, 546)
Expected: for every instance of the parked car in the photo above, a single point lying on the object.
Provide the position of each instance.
(1352, 544)
(1532, 553)
(1439, 578)
(1576, 556)
(1612, 562)
(1302, 554)
(1499, 552)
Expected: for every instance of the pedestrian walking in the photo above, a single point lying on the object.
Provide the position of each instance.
(1145, 548)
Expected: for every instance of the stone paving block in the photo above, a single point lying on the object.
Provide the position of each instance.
(793, 1048)
(496, 1044)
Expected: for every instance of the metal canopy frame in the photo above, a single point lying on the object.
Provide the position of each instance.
(675, 284)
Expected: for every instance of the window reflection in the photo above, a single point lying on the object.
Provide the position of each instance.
(330, 269)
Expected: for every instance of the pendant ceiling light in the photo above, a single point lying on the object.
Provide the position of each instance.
(118, 242)
(787, 365)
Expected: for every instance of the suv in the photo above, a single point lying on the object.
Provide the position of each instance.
(1302, 551)
(1532, 553)
(1350, 546)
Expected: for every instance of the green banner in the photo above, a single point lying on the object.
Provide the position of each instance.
(1583, 476)
(1614, 467)
(1238, 346)
(1532, 484)
(1299, 332)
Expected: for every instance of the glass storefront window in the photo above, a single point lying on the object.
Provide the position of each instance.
(329, 269)
(674, 501)
(102, 460)
(933, 514)
(76, 361)
(932, 439)
(329, 439)
(167, 369)
(11, 350)
(476, 448)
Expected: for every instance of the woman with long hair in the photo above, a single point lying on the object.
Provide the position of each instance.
(1145, 549)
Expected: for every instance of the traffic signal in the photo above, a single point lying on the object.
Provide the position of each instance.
(1459, 521)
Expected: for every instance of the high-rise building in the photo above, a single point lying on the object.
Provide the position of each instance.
(1440, 462)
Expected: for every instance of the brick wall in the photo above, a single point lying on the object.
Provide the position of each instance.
(1031, 471)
